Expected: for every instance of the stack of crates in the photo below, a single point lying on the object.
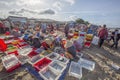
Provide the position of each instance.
(95, 40)
(81, 37)
(76, 34)
(88, 40)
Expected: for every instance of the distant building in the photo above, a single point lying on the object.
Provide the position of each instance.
(17, 21)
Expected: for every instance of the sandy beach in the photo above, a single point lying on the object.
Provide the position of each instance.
(103, 57)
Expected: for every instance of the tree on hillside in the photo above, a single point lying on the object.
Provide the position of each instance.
(81, 21)
(87, 23)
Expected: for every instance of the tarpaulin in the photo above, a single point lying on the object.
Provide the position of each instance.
(3, 46)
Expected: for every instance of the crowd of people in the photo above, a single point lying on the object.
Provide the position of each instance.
(105, 34)
(40, 36)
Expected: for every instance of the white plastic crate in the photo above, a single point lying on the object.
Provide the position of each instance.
(58, 50)
(34, 59)
(9, 41)
(2, 37)
(53, 55)
(23, 59)
(48, 74)
(57, 65)
(9, 61)
(63, 60)
(87, 64)
(24, 47)
(25, 51)
(75, 70)
(39, 50)
(95, 40)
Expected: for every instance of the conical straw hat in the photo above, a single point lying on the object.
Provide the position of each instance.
(48, 41)
(68, 44)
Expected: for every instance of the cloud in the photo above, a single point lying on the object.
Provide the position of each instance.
(15, 13)
(70, 1)
(21, 11)
(47, 11)
(73, 17)
(26, 10)
(31, 2)
(41, 12)
(8, 0)
(57, 5)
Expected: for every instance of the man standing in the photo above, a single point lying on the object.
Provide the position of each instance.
(103, 33)
(66, 29)
(115, 38)
(43, 27)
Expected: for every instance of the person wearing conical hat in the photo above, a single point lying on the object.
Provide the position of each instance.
(47, 44)
(68, 44)
(48, 41)
(77, 45)
(70, 50)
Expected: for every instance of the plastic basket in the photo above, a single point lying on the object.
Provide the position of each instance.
(82, 33)
(10, 62)
(32, 54)
(23, 59)
(95, 40)
(39, 50)
(9, 41)
(87, 64)
(63, 59)
(87, 44)
(44, 53)
(25, 51)
(42, 63)
(34, 59)
(57, 66)
(75, 70)
(12, 50)
(48, 74)
(53, 56)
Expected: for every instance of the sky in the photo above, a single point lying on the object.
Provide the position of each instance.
(95, 11)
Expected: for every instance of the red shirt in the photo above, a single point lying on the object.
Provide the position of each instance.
(103, 33)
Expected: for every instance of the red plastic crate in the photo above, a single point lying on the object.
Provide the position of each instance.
(33, 53)
(45, 45)
(42, 64)
(22, 45)
(76, 34)
(14, 52)
(82, 34)
(14, 67)
(87, 44)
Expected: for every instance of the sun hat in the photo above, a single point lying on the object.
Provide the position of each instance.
(48, 41)
(68, 44)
